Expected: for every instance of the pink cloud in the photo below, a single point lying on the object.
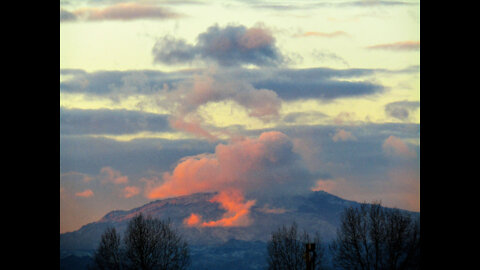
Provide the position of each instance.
(398, 46)
(109, 175)
(323, 34)
(244, 164)
(125, 12)
(256, 38)
(343, 135)
(396, 147)
(85, 194)
(185, 101)
(131, 191)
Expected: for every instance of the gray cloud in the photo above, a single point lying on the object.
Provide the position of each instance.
(134, 158)
(171, 51)
(103, 121)
(228, 46)
(288, 84)
(66, 16)
(363, 157)
(401, 109)
(120, 82)
(318, 83)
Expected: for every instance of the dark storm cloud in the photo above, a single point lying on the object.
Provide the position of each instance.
(228, 46)
(103, 121)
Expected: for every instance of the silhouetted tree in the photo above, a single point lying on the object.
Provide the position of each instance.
(373, 237)
(153, 244)
(286, 249)
(148, 244)
(108, 255)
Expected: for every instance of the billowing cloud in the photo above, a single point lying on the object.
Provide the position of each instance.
(227, 46)
(119, 11)
(184, 102)
(85, 194)
(401, 109)
(396, 147)
(397, 46)
(249, 164)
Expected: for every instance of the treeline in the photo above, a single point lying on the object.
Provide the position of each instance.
(369, 237)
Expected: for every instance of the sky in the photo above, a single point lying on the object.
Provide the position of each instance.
(247, 98)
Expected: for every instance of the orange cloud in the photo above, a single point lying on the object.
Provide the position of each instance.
(85, 194)
(237, 210)
(246, 164)
(193, 220)
(396, 147)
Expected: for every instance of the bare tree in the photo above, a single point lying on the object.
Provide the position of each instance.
(153, 244)
(286, 249)
(373, 237)
(108, 255)
(148, 244)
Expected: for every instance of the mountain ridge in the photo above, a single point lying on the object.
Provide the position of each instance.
(316, 211)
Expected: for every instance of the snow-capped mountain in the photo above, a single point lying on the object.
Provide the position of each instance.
(314, 212)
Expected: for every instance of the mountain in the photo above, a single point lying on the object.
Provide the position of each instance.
(224, 246)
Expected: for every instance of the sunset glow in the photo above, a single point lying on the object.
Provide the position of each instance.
(249, 99)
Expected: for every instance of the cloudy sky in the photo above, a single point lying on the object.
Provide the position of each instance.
(161, 98)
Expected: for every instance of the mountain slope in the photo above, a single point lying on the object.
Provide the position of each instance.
(221, 247)
(317, 211)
